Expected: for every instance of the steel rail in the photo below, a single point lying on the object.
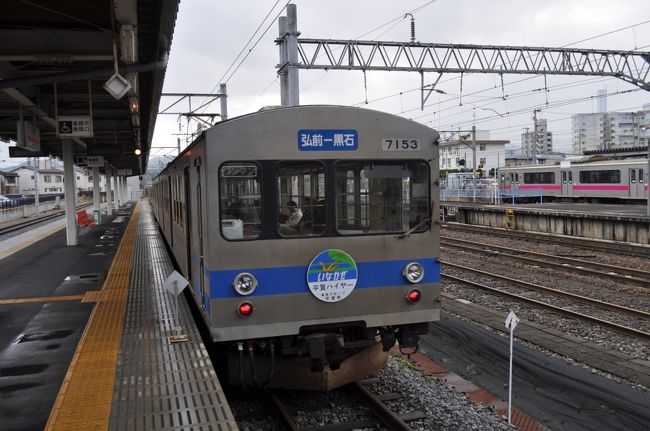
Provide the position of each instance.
(22, 225)
(627, 249)
(284, 413)
(382, 413)
(615, 273)
(616, 326)
(388, 417)
(540, 288)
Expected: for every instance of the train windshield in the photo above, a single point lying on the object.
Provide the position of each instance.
(301, 198)
(240, 204)
(381, 197)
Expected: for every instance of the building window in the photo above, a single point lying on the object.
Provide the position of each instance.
(483, 160)
(481, 147)
(47, 178)
(58, 178)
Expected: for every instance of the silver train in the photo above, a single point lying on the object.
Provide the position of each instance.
(594, 181)
(308, 239)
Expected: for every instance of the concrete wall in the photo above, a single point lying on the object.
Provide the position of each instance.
(634, 229)
(8, 214)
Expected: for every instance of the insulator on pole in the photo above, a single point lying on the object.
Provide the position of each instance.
(412, 26)
(412, 29)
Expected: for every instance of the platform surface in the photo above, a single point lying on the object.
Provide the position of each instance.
(162, 385)
(585, 208)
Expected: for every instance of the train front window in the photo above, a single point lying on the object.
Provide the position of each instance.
(381, 197)
(240, 200)
(301, 199)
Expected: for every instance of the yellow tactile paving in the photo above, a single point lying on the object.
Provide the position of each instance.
(84, 400)
(93, 296)
(43, 299)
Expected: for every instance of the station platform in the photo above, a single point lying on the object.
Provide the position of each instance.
(87, 344)
(623, 223)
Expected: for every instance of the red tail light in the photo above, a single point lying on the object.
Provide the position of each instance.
(413, 296)
(245, 309)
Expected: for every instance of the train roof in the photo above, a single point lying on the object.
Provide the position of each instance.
(622, 162)
(273, 110)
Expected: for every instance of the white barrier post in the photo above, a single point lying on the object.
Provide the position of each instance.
(511, 323)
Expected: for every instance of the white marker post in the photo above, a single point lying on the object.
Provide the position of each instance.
(175, 284)
(511, 322)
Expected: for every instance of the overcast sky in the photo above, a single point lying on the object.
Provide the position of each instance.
(209, 35)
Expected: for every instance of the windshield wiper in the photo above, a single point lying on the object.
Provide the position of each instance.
(408, 233)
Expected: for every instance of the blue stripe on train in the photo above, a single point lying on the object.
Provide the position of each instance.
(293, 279)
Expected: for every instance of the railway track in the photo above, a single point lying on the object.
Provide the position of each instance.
(379, 416)
(636, 316)
(31, 222)
(616, 273)
(612, 247)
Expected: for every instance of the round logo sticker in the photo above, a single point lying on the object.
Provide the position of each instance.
(332, 275)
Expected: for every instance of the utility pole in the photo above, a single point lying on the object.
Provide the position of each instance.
(36, 168)
(535, 136)
(474, 157)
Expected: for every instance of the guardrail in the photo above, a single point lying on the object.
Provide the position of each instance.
(493, 196)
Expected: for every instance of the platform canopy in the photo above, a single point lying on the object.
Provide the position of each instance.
(56, 60)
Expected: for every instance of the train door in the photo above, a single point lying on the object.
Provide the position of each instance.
(637, 183)
(567, 182)
(199, 230)
(171, 212)
(188, 220)
(514, 180)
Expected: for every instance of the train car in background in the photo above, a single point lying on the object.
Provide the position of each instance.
(310, 237)
(604, 181)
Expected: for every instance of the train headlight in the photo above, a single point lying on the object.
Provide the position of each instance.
(413, 272)
(244, 283)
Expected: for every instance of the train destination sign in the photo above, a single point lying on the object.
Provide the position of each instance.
(328, 140)
(332, 275)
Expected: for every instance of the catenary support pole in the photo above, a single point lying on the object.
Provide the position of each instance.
(224, 102)
(125, 192)
(70, 193)
(109, 197)
(292, 53)
(284, 77)
(474, 162)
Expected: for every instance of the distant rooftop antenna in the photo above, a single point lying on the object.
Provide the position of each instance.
(412, 26)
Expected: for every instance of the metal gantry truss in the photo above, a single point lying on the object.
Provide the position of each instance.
(327, 54)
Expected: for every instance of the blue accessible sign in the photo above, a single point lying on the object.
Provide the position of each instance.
(328, 140)
(332, 275)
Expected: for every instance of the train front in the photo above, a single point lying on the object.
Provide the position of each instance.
(323, 244)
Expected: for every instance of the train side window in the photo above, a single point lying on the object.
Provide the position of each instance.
(633, 176)
(570, 177)
(600, 177)
(382, 197)
(240, 200)
(301, 199)
(564, 177)
(641, 176)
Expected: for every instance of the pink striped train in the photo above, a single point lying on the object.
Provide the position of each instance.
(622, 181)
